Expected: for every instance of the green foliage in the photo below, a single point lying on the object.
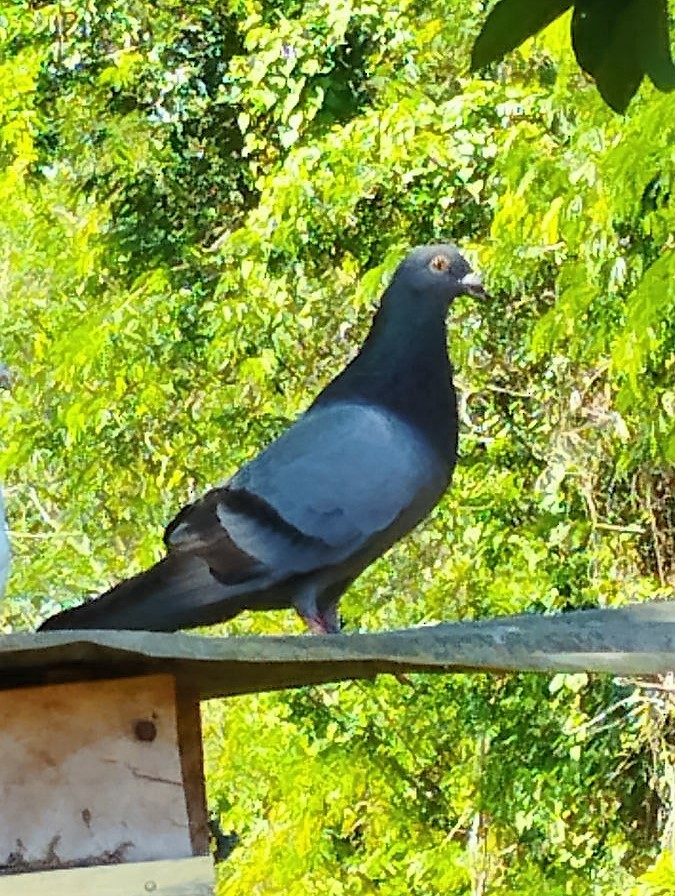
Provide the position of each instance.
(199, 206)
(617, 43)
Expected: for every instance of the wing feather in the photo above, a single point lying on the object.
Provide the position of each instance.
(344, 472)
(317, 494)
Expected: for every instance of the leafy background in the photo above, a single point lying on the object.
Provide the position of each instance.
(199, 206)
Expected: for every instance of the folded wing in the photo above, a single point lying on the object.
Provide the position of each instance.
(318, 494)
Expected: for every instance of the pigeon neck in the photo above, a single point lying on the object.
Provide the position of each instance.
(406, 347)
(408, 334)
(403, 366)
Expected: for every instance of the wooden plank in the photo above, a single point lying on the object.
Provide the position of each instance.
(637, 639)
(192, 764)
(91, 774)
(181, 877)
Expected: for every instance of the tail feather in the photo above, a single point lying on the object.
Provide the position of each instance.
(178, 592)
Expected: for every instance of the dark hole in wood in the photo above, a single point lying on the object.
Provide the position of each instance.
(145, 730)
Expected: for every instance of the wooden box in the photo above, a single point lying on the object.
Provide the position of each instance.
(103, 784)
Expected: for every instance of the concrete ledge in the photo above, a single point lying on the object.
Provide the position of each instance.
(638, 639)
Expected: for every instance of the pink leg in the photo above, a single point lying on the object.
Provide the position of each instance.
(318, 622)
(315, 624)
(326, 623)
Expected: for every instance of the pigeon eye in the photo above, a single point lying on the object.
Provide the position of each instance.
(439, 263)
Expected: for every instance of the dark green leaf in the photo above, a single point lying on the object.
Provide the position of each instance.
(654, 42)
(619, 41)
(604, 40)
(509, 24)
(616, 41)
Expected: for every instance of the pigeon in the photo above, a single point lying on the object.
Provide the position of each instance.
(360, 468)
(5, 553)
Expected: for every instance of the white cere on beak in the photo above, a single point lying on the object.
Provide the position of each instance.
(473, 284)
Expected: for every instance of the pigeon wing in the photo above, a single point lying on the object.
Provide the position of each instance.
(340, 475)
(342, 472)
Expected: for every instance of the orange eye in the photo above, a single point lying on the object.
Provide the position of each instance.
(439, 263)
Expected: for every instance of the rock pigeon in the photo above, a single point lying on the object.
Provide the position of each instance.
(358, 470)
(5, 554)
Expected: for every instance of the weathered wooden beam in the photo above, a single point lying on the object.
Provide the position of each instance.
(634, 640)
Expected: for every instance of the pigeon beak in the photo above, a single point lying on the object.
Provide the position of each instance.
(473, 285)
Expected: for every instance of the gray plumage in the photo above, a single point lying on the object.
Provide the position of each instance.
(394, 465)
(357, 471)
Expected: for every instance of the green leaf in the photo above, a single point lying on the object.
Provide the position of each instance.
(618, 42)
(604, 41)
(654, 38)
(509, 24)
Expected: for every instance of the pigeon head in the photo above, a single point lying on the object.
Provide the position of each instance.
(438, 271)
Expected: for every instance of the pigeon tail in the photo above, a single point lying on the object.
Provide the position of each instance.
(178, 592)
